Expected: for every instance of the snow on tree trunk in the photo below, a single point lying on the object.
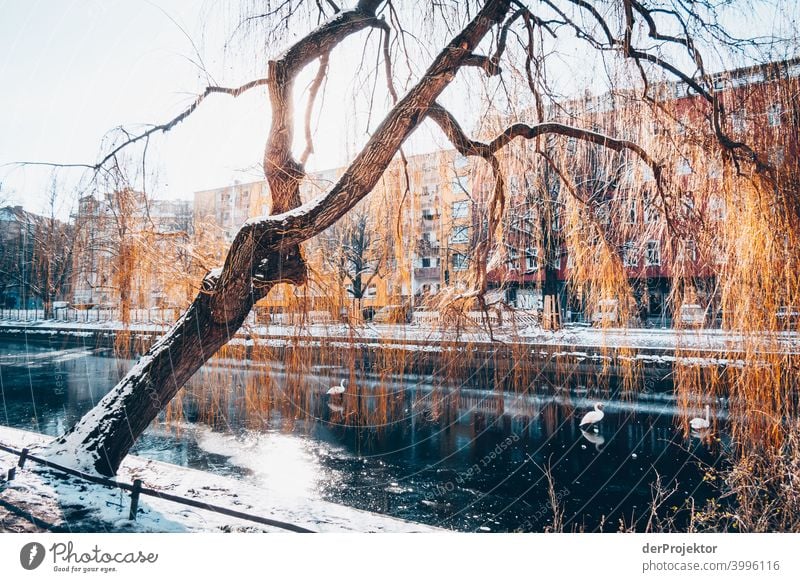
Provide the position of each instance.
(266, 250)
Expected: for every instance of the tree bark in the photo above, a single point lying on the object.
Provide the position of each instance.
(265, 251)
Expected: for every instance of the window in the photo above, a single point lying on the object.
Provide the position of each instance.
(429, 190)
(461, 184)
(652, 256)
(738, 122)
(556, 262)
(460, 235)
(603, 213)
(687, 204)
(658, 129)
(427, 214)
(650, 209)
(777, 155)
(632, 214)
(572, 145)
(459, 261)
(426, 262)
(460, 209)
(629, 255)
(513, 259)
(690, 250)
(531, 260)
(716, 208)
(372, 290)
(720, 255)
(556, 221)
(774, 113)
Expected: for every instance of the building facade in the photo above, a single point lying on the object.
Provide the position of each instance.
(428, 219)
(130, 250)
(35, 259)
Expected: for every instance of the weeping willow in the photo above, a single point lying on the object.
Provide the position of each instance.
(708, 218)
(722, 229)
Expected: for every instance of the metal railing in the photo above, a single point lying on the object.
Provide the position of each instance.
(136, 489)
(155, 315)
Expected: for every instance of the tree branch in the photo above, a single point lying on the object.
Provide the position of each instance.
(467, 146)
(165, 127)
(312, 96)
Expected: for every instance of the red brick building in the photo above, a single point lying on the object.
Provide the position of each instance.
(762, 109)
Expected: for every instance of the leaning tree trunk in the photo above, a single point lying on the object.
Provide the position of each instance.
(103, 437)
(265, 251)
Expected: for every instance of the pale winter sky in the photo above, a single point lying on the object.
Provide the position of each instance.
(72, 70)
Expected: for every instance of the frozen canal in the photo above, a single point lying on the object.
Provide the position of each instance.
(458, 456)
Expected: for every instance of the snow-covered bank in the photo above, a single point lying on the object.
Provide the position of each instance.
(575, 341)
(72, 504)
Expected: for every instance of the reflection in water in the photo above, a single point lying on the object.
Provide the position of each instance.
(596, 439)
(286, 466)
(463, 456)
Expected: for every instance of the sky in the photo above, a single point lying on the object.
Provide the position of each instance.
(72, 70)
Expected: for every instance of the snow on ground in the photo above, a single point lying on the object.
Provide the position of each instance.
(71, 504)
(420, 337)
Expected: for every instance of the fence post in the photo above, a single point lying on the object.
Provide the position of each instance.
(22, 457)
(12, 472)
(137, 488)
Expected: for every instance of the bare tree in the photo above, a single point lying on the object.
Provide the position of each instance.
(35, 255)
(354, 250)
(266, 250)
(52, 254)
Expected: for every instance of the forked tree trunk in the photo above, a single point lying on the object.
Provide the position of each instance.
(265, 251)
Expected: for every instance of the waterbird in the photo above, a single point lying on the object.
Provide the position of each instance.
(593, 416)
(337, 389)
(701, 423)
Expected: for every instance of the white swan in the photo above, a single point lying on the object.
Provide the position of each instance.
(593, 416)
(701, 423)
(337, 389)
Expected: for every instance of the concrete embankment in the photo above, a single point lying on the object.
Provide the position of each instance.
(423, 351)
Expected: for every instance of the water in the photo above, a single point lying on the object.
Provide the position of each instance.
(460, 456)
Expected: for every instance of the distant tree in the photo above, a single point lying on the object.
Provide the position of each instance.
(52, 255)
(493, 38)
(35, 255)
(354, 250)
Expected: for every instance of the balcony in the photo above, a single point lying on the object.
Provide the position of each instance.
(427, 273)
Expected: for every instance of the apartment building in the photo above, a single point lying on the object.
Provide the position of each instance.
(428, 215)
